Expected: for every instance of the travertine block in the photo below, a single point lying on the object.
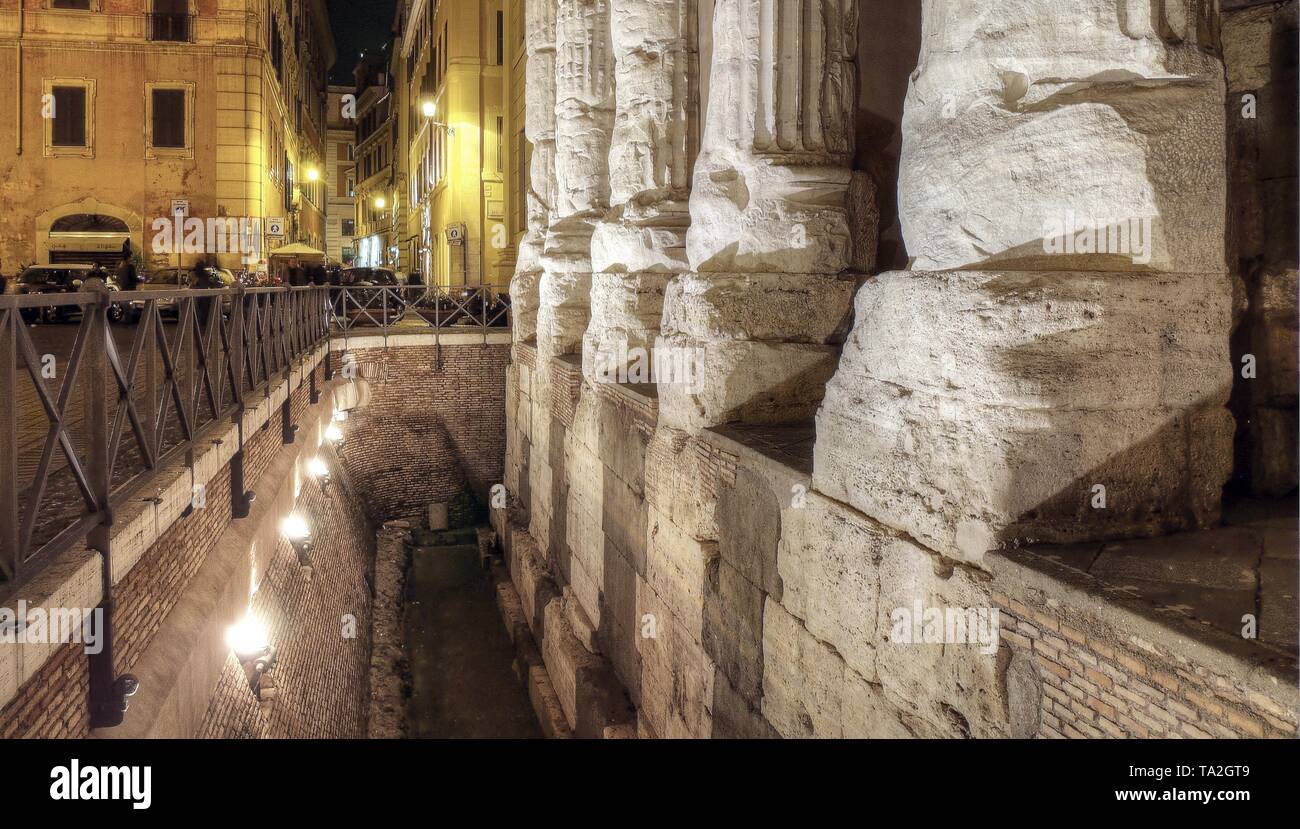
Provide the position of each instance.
(779, 307)
(676, 675)
(1011, 397)
(745, 381)
(829, 562)
(588, 692)
(1275, 336)
(1011, 126)
(676, 568)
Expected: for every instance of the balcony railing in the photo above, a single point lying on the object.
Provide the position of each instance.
(395, 309)
(178, 28)
(90, 414)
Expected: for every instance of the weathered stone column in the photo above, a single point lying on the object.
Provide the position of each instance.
(778, 224)
(584, 120)
(539, 128)
(777, 217)
(642, 241)
(1055, 365)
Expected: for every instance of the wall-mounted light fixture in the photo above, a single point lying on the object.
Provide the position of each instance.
(334, 435)
(247, 640)
(296, 529)
(429, 109)
(318, 469)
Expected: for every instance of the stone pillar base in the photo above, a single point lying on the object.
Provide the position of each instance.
(976, 409)
(754, 348)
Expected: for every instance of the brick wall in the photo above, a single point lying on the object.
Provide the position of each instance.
(53, 702)
(320, 673)
(435, 422)
(148, 593)
(1098, 684)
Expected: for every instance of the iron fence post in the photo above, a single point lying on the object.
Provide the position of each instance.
(108, 693)
(10, 318)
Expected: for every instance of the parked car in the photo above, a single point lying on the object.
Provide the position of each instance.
(172, 279)
(60, 279)
(367, 307)
(368, 277)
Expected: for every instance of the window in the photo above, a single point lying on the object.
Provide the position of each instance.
(170, 20)
(349, 227)
(68, 107)
(69, 116)
(70, 4)
(277, 48)
(501, 128)
(501, 38)
(288, 183)
(169, 116)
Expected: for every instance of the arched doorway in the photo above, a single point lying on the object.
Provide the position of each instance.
(85, 232)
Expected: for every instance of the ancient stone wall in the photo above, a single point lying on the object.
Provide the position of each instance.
(728, 540)
(1259, 56)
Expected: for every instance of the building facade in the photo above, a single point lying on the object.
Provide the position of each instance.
(340, 178)
(376, 195)
(457, 156)
(131, 112)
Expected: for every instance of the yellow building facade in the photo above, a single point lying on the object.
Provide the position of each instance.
(126, 112)
(454, 120)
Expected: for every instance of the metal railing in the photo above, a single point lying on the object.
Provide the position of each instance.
(83, 432)
(396, 308)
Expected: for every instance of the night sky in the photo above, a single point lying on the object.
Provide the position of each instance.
(359, 25)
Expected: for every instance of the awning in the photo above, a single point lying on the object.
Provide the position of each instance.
(299, 250)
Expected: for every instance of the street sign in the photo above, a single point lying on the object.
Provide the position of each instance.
(455, 234)
(275, 226)
(180, 207)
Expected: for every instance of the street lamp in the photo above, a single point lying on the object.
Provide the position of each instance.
(429, 108)
(313, 174)
(380, 202)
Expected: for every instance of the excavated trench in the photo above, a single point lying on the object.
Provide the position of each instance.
(460, 656)
(443, 665)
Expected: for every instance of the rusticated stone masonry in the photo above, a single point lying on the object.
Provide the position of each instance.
(733, 545)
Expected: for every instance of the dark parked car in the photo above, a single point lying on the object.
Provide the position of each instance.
(368, 277)
(368, 307)
(60, 279)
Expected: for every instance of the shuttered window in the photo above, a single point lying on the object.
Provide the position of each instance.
(169, 118)
(69, 127)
